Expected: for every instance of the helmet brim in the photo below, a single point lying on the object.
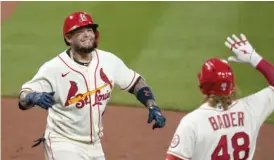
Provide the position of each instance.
(93, 26)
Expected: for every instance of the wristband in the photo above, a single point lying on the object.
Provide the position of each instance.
(144, 94)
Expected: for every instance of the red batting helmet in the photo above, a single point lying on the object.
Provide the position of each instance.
(216, 77)
(77, 20)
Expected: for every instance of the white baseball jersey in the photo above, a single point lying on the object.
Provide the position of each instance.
(81, 92)
(212, 134)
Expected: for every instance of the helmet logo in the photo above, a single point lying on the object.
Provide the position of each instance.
(208, 66)
(83, 17)
(223, 86)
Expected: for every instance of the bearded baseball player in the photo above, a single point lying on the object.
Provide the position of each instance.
(75, 88)
(225, 128)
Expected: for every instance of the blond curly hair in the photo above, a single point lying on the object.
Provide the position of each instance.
(225, 101)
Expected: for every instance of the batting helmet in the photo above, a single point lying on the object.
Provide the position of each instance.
(77, 20)
(216, 77)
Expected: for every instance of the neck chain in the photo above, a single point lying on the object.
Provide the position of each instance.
(71, 56)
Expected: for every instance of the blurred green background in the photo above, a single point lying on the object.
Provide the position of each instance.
(166, 42)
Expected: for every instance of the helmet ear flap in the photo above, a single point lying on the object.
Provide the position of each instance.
(201, 86)
(199, 75)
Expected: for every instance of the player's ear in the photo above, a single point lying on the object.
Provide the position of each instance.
(68, 38)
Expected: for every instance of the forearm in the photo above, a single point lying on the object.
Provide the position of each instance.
(267, 69)
(23, 103)
(137, 87)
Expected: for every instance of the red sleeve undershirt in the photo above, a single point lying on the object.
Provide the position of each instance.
(267, 69)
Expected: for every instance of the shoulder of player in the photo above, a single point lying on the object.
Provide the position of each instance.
(107, 55)
(266, 89)
(50, 65)
(191, 117)
(197, 115)
(259, 94)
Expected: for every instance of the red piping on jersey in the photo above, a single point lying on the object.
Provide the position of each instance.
(172, 157)
(178, 155)
(130, 82)
(95, 83)
(267, 69)
(50, 148)
(87, 91)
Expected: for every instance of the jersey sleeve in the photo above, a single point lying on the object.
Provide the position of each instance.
(261, 103)
(183, 141)
(124, 77)
(41, 82)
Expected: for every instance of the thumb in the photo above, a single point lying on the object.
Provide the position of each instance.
(233, 59)
(155, 126)
(150, 119)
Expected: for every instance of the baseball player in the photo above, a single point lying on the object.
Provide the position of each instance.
(225, 128)
(75, 88)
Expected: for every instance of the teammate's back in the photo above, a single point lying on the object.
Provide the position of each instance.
(224, 127)
(230, 134)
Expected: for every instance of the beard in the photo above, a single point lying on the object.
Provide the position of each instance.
(84, 50)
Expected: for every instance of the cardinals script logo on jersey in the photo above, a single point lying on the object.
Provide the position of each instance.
(82, 99)
(72, 93)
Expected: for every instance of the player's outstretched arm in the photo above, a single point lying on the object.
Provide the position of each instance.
(267, 69)
(245, 53)
(144, 94)
(28, 99)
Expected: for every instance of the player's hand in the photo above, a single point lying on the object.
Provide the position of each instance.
(155, 114)
(243, 50)
(43, 99)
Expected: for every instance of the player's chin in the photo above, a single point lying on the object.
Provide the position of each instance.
(85, 49)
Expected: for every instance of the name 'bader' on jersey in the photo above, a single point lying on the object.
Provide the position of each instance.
(227, 120)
